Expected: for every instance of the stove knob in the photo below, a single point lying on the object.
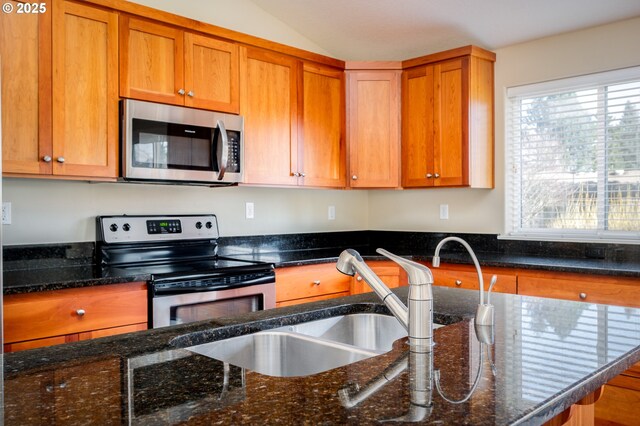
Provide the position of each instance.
(199, 225)
(113, 227)
(126, 227)
(209, 225)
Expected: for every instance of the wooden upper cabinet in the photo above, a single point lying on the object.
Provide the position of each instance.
(161, 63)
(447, 124)
(25, 56)
(322, 144)
(85, 91)
(269, 104)
(373, 116)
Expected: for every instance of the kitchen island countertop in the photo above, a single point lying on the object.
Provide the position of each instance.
(547, 355)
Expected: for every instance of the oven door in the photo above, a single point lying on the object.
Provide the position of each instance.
(190, 307)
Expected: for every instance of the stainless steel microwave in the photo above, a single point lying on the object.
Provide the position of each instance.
(173, 144)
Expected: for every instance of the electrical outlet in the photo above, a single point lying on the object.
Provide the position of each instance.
(444, 211)
(6, 213)
(249, 212)
(331, 214)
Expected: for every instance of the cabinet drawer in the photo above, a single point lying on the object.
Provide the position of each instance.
(469, 280)
(53, 313)
(605, 290)
(309, 281)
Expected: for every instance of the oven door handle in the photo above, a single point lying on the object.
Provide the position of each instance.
(222, 151)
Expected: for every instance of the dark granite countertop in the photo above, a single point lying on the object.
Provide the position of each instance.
(547, 355)
(68, 265)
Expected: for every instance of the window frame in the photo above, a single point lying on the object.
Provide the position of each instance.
(513, 188)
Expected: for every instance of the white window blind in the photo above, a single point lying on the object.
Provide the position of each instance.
(573, 158)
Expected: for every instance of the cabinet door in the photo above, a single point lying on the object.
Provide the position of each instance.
(211, 75)
(85, 92)
(417, 127)
(268, 101)
(151, 61)
(450, 149)
(373, 115)
(25, 52)
(322, 127)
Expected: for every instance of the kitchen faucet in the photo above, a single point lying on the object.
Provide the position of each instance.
(485, 312)
(417, 318)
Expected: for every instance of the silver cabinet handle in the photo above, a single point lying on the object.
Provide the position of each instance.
(316, 282)
(190, 94)
(429, 175)
(60, 159)
(458, 283)
(80, 312)
(583, 296)
(46, 159)
(181, 92)
(354, 177)
(296, 174)
(303, 174)
(437, 175)
(49, 388)
(359, 278)
(62, 385)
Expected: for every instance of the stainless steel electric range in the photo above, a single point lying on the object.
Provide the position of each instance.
(189, 281)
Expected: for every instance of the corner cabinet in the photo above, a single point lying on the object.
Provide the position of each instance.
(162, 63)
(447, 120)
(294, 121)
(373, 116)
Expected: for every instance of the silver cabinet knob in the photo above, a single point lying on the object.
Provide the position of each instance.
(181, 92)
(49, 388)
(358, 278)
(437, 175)
(316, 282)
(354, 177)
(46, 159)
(302, 174)
(80, 312)
(429, 175)
(60, 159)
(583, 296)
(458, 283)
(190, 94)
(296, 174)
(62, 385)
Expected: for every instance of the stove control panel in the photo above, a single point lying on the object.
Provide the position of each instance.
(134, 229)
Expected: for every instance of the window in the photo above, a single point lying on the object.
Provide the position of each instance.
(573, 158)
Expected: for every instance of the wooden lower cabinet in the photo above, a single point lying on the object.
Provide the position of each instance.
(466, 277)
(60, 395)
(33, 320)
(389, 272)
(308, 283)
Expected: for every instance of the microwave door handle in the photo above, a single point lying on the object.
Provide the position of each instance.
(224, 157)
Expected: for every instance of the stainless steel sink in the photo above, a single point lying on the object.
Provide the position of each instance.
(308, 348)
(374, 332)
(282, 354)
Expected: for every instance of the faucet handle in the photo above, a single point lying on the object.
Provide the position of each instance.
(418, 274)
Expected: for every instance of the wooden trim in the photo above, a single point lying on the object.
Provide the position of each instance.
(372, 65)
(450, 54)
(209, 29)
(45, 90)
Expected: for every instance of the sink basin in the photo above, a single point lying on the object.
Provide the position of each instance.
(282, 354)
(308, 348)
(374, 332)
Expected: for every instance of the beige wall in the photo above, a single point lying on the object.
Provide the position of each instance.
(46, 211)
(470, 210)
(55, 211)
